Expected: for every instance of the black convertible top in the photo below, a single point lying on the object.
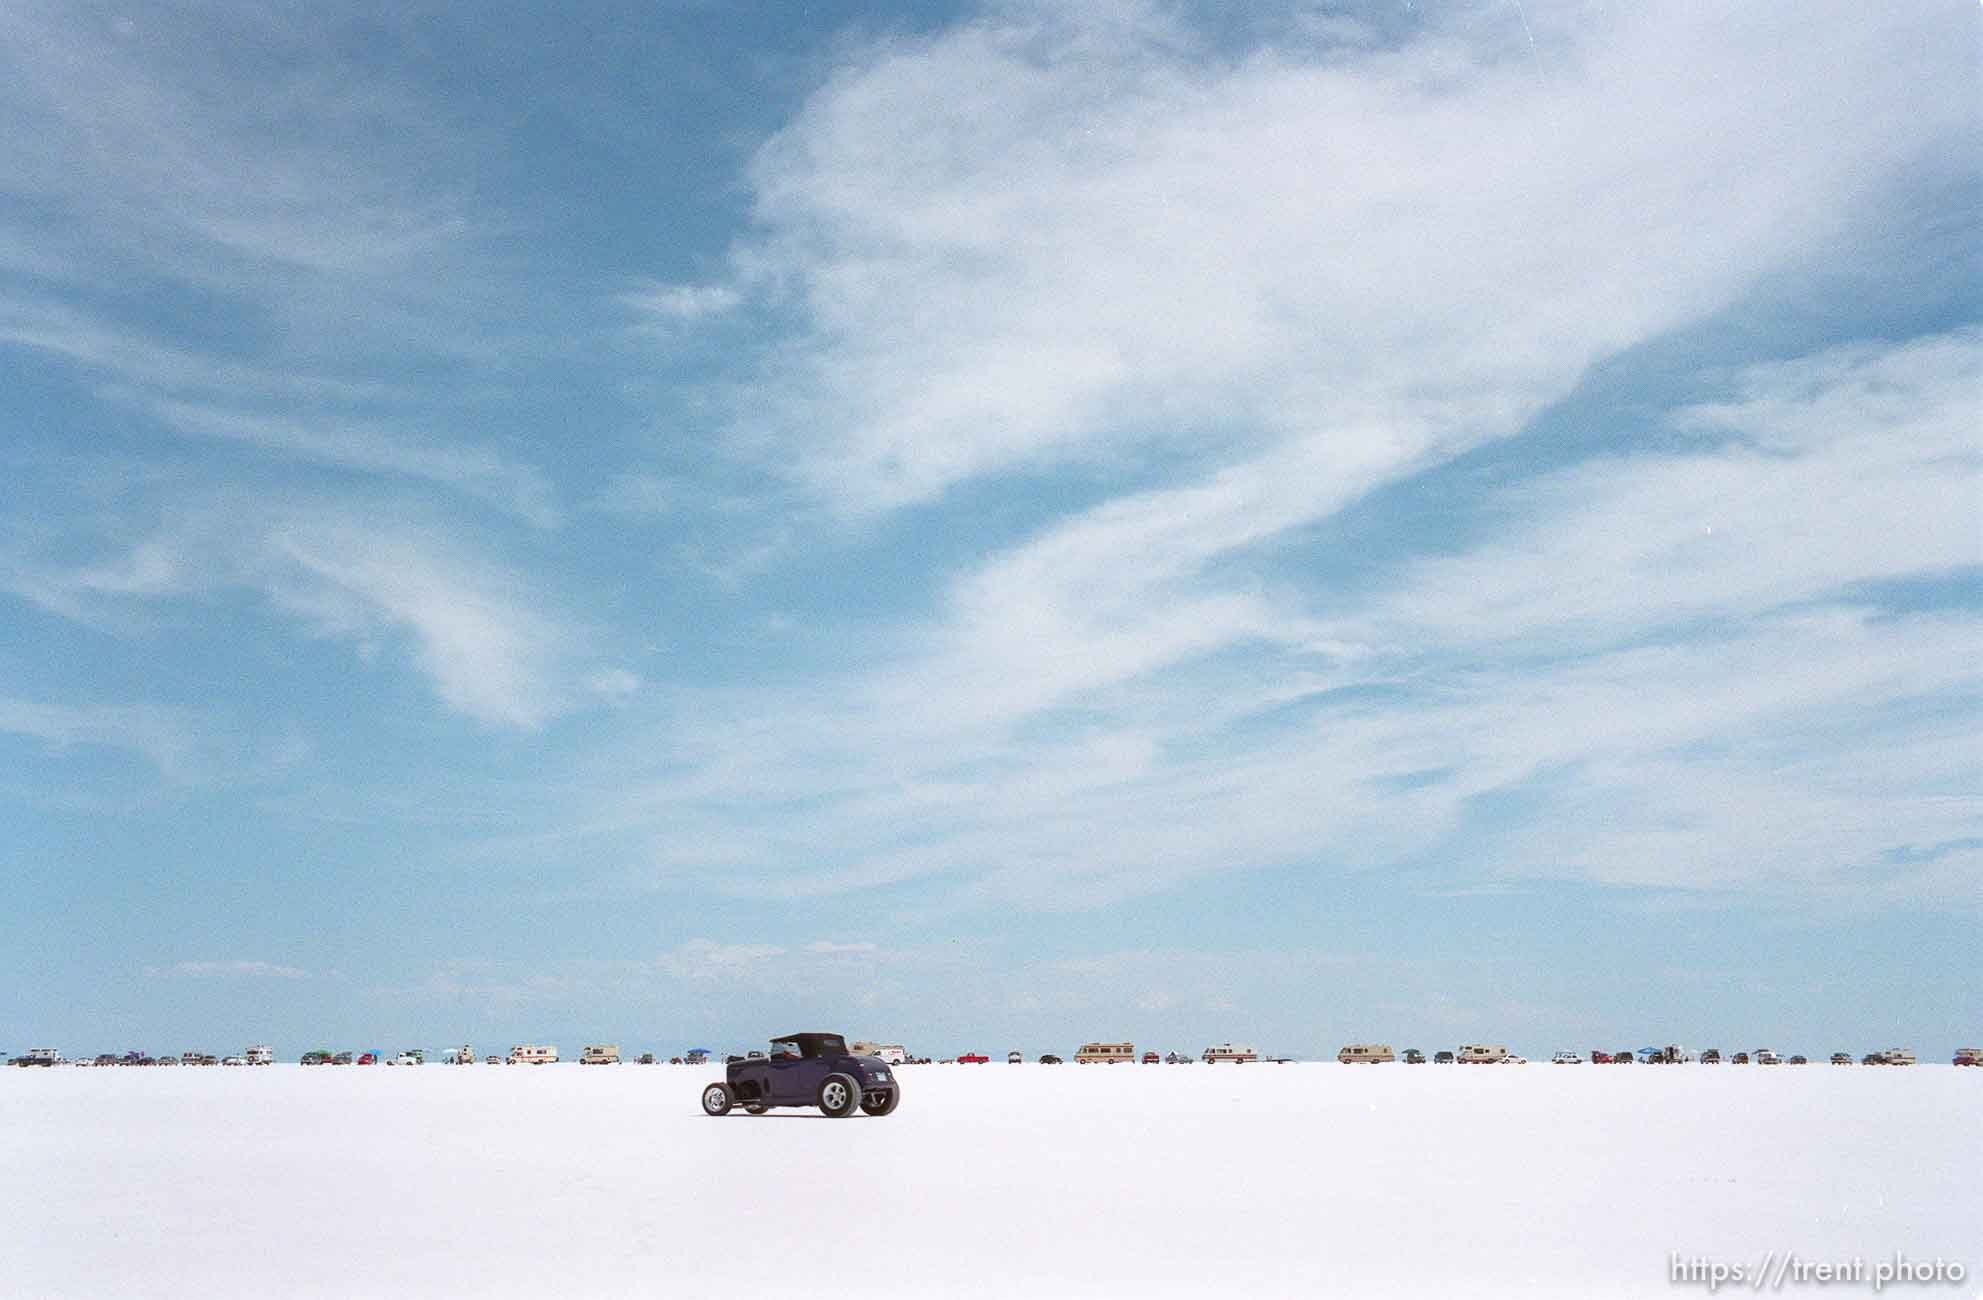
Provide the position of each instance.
(813, 1045)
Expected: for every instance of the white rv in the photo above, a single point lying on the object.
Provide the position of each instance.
(601, 1054)
(1105, 1053)
(1237, 1053)
(1366, 1054)
(260, 1054)
(533, 1054)
(892, 1053)
(1481, 1054)
(1898, 1056)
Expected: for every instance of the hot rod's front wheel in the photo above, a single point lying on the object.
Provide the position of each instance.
(716, 1099)
(838, 1096)
(878, 1104)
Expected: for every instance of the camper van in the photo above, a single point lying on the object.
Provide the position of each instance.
(601, 1054)
(533, 1054)
(1481, 1054)
(260, 1054)
(1366, 1054)
(1898, 1056)
(1237, 1053)
(1106, 1053)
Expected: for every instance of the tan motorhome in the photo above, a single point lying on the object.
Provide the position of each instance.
(1481, 1054)
(1105, 1053)
(533, 1054)
(601, 1054)
(1237, 1053)
(1366, 1054)
(1898, 1056)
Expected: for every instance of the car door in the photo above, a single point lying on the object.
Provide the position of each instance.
(808, 1077)
(783, 1081)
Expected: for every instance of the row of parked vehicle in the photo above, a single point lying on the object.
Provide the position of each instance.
(260, 1054)
(1089, 1054)
(1495, 1054)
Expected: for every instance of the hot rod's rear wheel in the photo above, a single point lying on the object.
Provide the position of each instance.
(839, 1095)
(886, 1106)
(755, 1108)
(716, 1099)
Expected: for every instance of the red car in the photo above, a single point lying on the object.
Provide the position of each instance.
(973, 1058)
(1600, 1058)
(368, 1058)
(1151, 1058)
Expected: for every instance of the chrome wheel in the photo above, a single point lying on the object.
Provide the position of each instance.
(834, 1096)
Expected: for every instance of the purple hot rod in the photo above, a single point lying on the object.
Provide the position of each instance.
(806, 1070)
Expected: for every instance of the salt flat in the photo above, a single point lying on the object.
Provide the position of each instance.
(990, 1180)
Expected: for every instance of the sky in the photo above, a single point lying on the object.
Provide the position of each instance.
(990, 526)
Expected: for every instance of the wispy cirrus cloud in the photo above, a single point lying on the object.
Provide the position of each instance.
(1244, 292)
(172, 740)
(1599, 689)
(301, 210)
(237, 969)
(475, 471)
(1048, 238)
(142, 128)
(493, 647)
(682, 303)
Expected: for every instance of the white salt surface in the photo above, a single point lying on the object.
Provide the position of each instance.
(990, 1180)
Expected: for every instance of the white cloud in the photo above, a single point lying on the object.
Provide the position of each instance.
(706, 959)
(1778, 515)
(491, 645)
(613, 683)
(285, 298)
(682, 303)
(1057, 235)
(475, 471)
(137, 359)
(1650, 708)
(227, 969)
(171, 739)
(142, 136)
(1285, 279)
(477, 632)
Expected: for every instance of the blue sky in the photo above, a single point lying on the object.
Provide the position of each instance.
(990, 526)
